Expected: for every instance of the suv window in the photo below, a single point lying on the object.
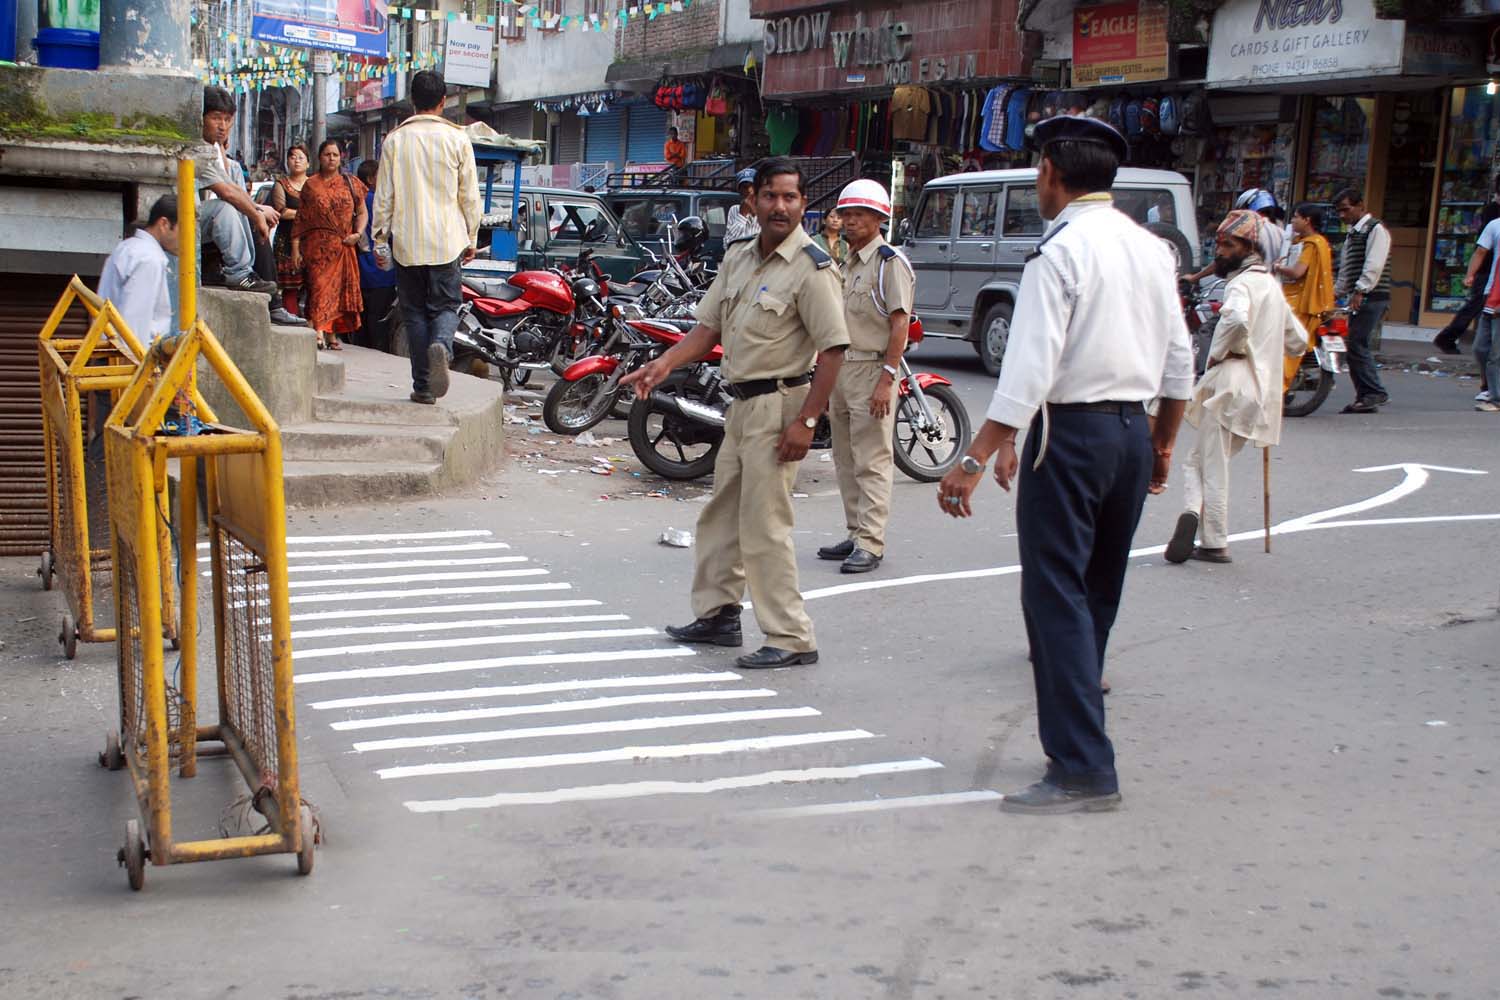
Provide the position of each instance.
(935, 217)
(715, 215)
(977, 216)
(1023, 213)
(645, 218)
(580, 222)
(1146, 204)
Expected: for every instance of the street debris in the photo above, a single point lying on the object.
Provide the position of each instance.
(677, 538)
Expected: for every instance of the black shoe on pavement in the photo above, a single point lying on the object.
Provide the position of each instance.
(1047, 799)
(252, 283)
(1446, 345)
(1361, 406)
(1180, 548)
(860, 561)
(1211, 555)
(770, 657)
(721, 629)
(437, 370)
(424, 398)
(838, 552)
(280, 317)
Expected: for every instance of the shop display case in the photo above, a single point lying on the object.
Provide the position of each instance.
(1339, 156)
(1237, 158)
(1463, 189)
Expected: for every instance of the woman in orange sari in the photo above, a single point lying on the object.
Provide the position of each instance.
(1309, 278)
(327, 229)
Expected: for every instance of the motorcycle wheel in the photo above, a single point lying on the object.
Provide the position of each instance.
(923, 457)
(670, 445)
(1309, 390)
(574, 407)
(566, 351)
(520, 377)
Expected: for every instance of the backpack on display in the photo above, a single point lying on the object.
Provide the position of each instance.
(1133, 118)
(1167, 116)
(1150, 120)
(1117, 114)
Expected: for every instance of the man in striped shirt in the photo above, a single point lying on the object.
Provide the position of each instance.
(427, 212)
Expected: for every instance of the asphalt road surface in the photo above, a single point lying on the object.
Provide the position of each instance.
(527, 791)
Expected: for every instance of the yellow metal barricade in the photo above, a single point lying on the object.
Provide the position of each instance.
(252, 632)
(72, 369)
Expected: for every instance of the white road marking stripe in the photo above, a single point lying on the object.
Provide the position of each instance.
(494, 662)
(880, 805)
(370, 581)
(586, 729)
(400, 536)
(378, 595)
(476, 640)
(444, 609)
(549, 708)
(511, 690)
(641, 789)
(668, 752)
(398, 563)
(396, 550)
(393, 628)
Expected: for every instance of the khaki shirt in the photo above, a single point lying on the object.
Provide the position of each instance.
(870, 296)
(773, 314)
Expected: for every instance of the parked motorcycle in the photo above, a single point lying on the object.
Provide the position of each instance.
(677, 430)
(1324, 358)
(1201, 304)
(589, 390)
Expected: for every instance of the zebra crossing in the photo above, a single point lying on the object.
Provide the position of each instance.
(467, 687)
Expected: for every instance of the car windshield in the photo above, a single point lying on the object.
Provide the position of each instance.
(580, 222)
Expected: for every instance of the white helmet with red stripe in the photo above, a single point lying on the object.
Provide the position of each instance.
(866, 194)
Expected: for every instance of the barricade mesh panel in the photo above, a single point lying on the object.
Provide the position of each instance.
(132, 708)
(250, 695)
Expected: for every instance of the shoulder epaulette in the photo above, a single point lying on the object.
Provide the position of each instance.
(887, 251)
(1038, 251)
(742, 239)
(819, 256)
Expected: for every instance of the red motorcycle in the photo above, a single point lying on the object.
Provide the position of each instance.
(589, 389)
(676, 432)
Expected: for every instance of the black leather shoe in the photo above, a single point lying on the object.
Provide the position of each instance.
(769, 657)
(1361, 406)
(837, 552)
(1047, 799)
(1210, 555)
(425, 398)
(1180, 548)
(860, 561)
(1446, 345)
(720, 629)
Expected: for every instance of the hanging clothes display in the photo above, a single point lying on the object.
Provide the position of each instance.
(781, 128)
(909, 110)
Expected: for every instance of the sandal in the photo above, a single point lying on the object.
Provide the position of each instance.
(333, 342)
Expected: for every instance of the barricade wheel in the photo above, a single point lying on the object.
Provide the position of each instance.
(305, 854)
(113, 757)
(45, 570)
(68, 636)
(133, 855)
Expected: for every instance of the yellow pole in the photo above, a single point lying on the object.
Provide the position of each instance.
(187, 247)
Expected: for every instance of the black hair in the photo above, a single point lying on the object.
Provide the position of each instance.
(164, 207)
(777, 166)
(329, 142)
(366, 172)
(293, 147)
(217, 99)
(1312, 212)
(1350, 195)
(427, 90)
(672, 130)
(1083, 166)
(1273, 213)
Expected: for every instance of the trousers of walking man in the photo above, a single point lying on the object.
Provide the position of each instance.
(878, 290)
(1098, 332)
(427, 213)
(1238, 400)
(774, 303)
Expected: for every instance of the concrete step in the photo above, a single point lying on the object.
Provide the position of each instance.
(341, 442)
(322, 482)
(393, 410)
(330, 372)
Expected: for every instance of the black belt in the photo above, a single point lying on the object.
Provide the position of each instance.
(761, 386)
(1127, 408)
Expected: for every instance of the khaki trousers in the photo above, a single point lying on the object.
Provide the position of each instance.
(745, 530)
(862, 453)
(1205, 480)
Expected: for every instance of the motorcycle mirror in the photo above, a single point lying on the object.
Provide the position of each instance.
(903, 230)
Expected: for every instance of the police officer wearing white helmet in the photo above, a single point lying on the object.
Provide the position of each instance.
(878, 290)
(1098, 333)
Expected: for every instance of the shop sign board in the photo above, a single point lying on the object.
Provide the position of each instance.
(1116, 43)
(468, 58)
(370, 95)
(357, 27)
(1434, 52)
(1271, 41)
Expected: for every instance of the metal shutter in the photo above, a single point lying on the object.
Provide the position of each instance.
(602, 135)
(648, 133)
(516, 121)
(569, 140)
(26, 300)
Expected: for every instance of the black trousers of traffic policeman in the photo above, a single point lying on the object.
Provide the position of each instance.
(1076, 516)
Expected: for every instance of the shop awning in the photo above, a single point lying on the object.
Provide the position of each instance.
(696, 62)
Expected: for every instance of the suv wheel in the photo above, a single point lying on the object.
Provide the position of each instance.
(993, 335)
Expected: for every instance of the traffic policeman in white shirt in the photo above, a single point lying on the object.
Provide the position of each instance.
(135, 275)
(1097, 334)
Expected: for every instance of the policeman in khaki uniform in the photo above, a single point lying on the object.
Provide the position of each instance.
(878, 290)
(775, 303)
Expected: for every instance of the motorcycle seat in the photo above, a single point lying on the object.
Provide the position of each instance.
(628, 289)
(493, 288)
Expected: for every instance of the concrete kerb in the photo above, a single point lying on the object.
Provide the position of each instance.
(279, 362)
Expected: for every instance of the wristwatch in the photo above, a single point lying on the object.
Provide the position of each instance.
(811, 423)
(971, 465)
(890, 370)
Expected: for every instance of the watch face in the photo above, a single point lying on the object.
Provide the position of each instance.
(810, 423)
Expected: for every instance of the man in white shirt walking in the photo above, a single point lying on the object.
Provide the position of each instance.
(135, 275)
(1364, 276)
(427, 212)
(1098, 332)
(1238, 400)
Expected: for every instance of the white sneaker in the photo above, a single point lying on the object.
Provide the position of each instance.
(1482, 396)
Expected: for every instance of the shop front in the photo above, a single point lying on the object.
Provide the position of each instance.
(1379, 106)
(914, 91)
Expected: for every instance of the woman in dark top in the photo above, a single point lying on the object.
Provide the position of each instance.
(286, 198)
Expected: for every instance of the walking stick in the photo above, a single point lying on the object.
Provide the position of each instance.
(1265, 470)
